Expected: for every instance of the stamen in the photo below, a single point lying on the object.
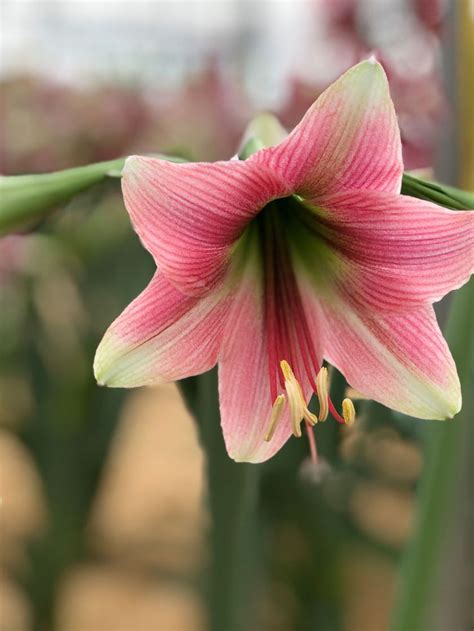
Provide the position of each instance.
(348, 411)
(286, 370)
(298, 407)
(294, 402)
(277, 411)
(309, 417)
(322, 390)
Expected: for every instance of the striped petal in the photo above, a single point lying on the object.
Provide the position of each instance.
(244, 386)
(245, 368)
(189, 215)
(163, 335)
(401, 361)
(349, 138)
(401, 252)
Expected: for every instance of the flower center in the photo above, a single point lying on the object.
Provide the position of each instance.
(289, 338)
(290, 341)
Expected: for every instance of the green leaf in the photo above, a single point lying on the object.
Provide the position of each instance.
(442, 194)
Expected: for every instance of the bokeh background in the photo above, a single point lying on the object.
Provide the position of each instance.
(105, 523)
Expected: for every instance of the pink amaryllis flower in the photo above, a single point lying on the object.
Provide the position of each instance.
(304, 252)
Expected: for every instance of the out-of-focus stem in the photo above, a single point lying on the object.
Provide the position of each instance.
(233, 504)
(421, 566)
(26, 199)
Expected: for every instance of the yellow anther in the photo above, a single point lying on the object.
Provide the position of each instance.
(348, 411)
(309, 416)
(277, 411)
(323, 393)
(286, 370)
(296, 401)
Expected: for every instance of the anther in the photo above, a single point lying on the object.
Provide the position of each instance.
(323, 393)
(298, 408)
(309, 417)
(277, 411)
(294, 401)
(348, 411)
(286, 370)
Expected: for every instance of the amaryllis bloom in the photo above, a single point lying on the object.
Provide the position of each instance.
(304, 252)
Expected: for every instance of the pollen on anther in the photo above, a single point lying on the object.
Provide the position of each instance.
(323, 393)
(277, 411)
(286, 370)
(348, 411)
(309, 417)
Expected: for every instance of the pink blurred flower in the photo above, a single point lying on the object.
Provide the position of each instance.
(48, 126)
(406, 38)
(203, 120)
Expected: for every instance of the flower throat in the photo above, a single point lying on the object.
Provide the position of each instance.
(292, 358)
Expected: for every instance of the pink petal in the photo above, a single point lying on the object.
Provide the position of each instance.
(244, 385)
(349, 138)
(244, 382)
(162, 336)
(401, 361)
(188, 215)
(402, 252)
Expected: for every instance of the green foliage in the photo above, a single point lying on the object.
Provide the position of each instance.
(441, 491)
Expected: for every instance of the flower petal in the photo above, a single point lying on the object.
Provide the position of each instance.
(162, 336)
(349, 138)
(402, 361)
(188, 215)
(401, 252)
(244, 385)
(244, 380)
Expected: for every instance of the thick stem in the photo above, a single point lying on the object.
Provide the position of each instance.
(27, 199)
(233, 504)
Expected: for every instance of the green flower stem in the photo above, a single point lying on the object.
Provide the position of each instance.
(233, 504)
(26, 199)
(421, 568)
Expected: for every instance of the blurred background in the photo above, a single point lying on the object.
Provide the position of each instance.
(105, 523)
